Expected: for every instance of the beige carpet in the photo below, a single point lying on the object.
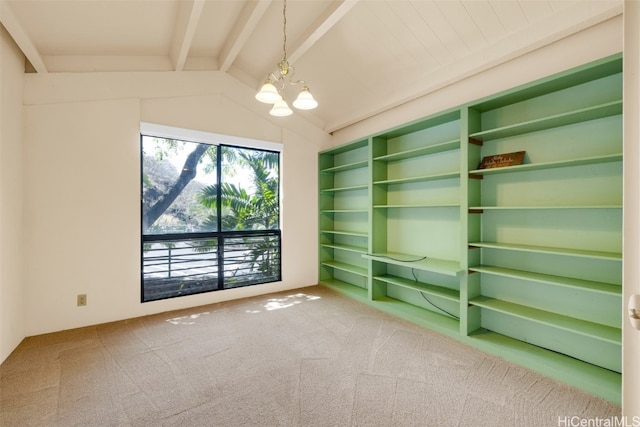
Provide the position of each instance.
(305, 358)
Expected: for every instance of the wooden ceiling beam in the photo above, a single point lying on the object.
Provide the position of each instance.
(321, 26)
(189, 14)
(22, 39)
(245, 25)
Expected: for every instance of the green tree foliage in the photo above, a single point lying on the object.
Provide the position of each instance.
(255, 210)
(244, 210)
(167, 192)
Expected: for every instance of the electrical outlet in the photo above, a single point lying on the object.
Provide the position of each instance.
(82, 299)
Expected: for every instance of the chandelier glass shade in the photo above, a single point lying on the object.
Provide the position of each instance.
(305, 100)
(272, 89)
(281, 109)
(268, 93)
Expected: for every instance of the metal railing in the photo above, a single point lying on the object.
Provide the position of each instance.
(175, 265)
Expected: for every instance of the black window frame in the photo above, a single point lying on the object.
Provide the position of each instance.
(221, 237)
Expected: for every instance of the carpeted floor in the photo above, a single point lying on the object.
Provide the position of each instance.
(310, 357)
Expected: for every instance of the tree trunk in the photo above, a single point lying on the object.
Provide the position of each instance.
(186, 175)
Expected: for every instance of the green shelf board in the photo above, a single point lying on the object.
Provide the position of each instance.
(345, 233)
(422, 151)
(347, 211)
(345, 167)
(348, 248)
(346, 147)
(488, 208)
(570, 324)
(613, 256)
(427, 288)
(445, 267)
(425, 178)
(549, 165)
(426, 205)
(349, 188)
(577, 116)
(347, 267)
(586, 285)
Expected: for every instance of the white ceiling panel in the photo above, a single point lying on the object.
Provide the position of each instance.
(216, 23)
(465, 27)
(445, 32)
(359, 57)
(423, 33)
(510, 14)
(536, 10)
(485, 19)
(98, 27)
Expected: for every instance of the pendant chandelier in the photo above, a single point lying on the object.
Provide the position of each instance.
(272, 90)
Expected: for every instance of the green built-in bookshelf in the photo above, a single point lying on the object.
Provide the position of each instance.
(523, 261)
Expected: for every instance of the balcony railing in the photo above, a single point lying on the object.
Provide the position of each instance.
(176, 265)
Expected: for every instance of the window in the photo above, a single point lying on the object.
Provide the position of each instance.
(210, 216)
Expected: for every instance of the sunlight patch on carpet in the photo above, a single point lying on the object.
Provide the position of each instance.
(285, 302)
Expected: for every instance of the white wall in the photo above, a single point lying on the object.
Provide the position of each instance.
(12, 329)
(82, 187)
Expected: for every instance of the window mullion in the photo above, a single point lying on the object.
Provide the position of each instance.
(220, 253)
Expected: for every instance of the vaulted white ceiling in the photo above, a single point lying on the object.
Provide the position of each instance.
(359, 57)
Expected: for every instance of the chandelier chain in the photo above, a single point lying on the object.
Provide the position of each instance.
(270, 94)
(284, 29)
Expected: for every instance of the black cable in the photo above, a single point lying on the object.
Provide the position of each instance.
(413, 273)
(429, 301)
(398, 259)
